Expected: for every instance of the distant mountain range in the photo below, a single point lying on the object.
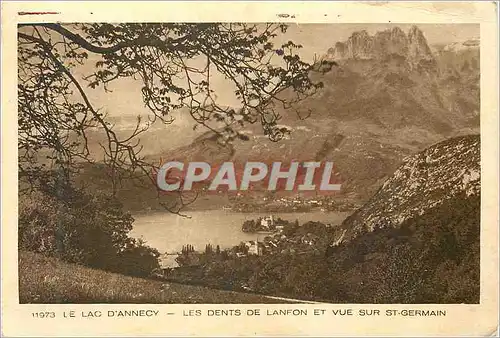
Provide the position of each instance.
(385, 97)
(362, 46)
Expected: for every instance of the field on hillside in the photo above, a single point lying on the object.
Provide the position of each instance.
(47, 280)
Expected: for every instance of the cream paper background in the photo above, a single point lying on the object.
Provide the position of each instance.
(479, 319)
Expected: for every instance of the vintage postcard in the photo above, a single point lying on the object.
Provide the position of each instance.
(249, 168)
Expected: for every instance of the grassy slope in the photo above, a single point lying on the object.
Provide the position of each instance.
(48, 280)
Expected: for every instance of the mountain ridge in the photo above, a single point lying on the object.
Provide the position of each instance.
(370, 114)
(424, 180)
(361, 45)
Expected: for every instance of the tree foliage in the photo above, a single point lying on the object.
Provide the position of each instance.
(56, 111)
(432, 258)
(87, 229)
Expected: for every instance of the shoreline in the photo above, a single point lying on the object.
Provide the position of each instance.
(186, 212)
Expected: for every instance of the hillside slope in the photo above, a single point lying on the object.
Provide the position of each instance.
(429, 258)
(44, 280)
(425, 180)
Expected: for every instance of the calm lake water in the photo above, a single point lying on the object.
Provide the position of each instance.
(168, 232)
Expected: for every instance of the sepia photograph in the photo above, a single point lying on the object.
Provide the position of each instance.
(102, 107)
(224, 169)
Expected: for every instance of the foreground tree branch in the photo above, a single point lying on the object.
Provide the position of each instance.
(56, 113)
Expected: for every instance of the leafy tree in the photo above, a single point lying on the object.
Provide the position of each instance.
(250, 226)
(137, 259)
(56, 111)
(209, 249)
(188, 248)
(291, 228)
(431, 258)
(85, 229)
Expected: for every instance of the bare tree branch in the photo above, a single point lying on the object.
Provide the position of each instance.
(53, 120)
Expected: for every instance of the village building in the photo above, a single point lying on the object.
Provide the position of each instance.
(255, 248)
(267, 222)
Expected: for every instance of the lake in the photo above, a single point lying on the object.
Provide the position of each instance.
(169, 232)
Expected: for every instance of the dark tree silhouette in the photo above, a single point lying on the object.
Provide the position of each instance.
(56, 110)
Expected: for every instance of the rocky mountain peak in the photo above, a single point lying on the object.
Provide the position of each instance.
(414, 31)
(418, 49)
(394, 41)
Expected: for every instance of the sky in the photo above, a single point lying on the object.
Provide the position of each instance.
(126, 99)
(317, 38)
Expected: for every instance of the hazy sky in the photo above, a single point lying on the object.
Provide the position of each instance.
(126, 99)
(317, 38)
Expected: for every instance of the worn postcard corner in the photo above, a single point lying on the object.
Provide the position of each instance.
(249, 168)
